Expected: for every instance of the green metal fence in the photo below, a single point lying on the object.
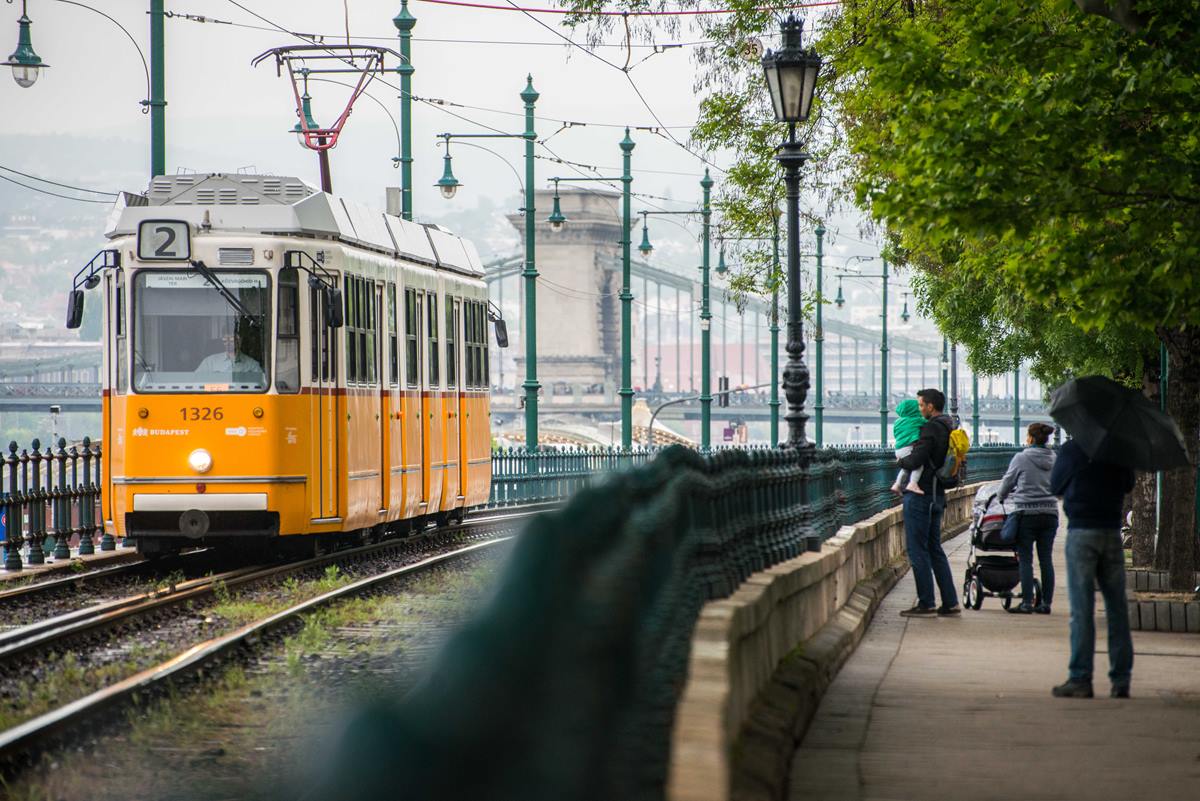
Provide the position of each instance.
(49, 499)
(520, 477)
(565, 684)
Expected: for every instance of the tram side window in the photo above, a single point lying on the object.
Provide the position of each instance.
(451, 342)
(366, 334)
(393, 346)
(411, 351)
(469, 343)
(351, 315)
(122, 362)
(485, 351)
(431, 310)
(287, 353)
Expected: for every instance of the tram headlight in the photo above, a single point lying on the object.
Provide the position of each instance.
(200, 460)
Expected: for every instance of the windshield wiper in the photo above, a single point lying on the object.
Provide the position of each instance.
(230, 298)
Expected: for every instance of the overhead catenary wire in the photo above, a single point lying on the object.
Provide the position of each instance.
(54, 194)
(319, 38)
(57, 183)
(666, 133)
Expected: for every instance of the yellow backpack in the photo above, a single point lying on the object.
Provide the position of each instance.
(956, 456)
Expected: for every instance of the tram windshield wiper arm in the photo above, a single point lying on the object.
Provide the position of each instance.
(230, 298)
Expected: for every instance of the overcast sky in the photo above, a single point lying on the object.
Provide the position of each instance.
(224, 114)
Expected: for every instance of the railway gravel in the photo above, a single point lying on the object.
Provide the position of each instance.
(47, 678)
(255, 731)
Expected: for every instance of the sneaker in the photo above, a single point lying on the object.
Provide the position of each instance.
(1073, 689)
(919, 611)
(1119, 691)
(1041, 609)
(949, 611)
(1021, 609)
(914, 488)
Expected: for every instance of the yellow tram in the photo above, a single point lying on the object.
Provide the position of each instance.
(281, 362)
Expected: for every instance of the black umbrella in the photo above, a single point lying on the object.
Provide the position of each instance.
(1117, 424)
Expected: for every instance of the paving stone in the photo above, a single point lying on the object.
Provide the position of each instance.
(1149, 619)
(1193, 617)
(1162, 615)
(1178, 616)
(1135, 620)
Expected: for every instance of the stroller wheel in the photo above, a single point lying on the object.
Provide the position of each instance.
(1008, 599)
(1037, 593)
(974, 594)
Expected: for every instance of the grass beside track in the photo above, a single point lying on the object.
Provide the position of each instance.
(64, 677)
(255, 731)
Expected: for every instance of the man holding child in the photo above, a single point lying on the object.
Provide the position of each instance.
(924, 501)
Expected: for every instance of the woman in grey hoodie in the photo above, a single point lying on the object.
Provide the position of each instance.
(1025, 490)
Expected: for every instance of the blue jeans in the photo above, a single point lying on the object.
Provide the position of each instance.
(923, 539)
(1037, 529)
(1094, 556)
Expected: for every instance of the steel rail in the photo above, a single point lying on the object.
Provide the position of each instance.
(132, 564)
(18, 642)
(35, 735)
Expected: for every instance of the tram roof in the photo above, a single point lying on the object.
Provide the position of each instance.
(275, 204)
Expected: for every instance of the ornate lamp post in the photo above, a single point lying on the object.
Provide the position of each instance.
(705, 212)
(405, 22)
(558, 221)
(449, 185)
(791, 74)
(819, 340)
(954, 381)
(884, 350)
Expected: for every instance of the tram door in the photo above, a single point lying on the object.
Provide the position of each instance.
(456, 452)
(323, 408)
(415, 308)
(381, 403)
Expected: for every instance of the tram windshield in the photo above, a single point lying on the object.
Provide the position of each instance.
(190, 337)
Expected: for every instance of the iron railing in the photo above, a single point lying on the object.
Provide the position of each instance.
(581, 653)
(49, 497)
(520, 477)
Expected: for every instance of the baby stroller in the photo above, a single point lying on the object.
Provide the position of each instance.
(991, 574)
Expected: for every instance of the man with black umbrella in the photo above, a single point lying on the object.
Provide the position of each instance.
(1093, 495)
(1115, 430)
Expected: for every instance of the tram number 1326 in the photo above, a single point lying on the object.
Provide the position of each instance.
(202, 413)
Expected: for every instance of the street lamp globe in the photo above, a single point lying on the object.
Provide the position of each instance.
(448, 185)
(721, 268)
(840, 300)
(557, 219)
(645, 248)
(25, 63)
(791, 73)
(309, 124)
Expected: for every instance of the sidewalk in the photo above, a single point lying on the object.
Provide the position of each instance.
(959, 709)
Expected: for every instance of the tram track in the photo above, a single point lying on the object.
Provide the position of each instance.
(86, 628)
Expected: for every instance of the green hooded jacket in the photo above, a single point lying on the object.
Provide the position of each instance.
(908, 423)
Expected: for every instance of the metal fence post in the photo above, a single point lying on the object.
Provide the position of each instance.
(82, 496)
(12, 512)
(35, 502)
(91, 480)
(61, 502)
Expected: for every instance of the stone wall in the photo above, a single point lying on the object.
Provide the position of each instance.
(762, 657)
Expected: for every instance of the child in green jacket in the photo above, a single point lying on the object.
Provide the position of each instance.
(905, 432)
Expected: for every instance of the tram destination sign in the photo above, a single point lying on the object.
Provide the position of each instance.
(164, 240)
